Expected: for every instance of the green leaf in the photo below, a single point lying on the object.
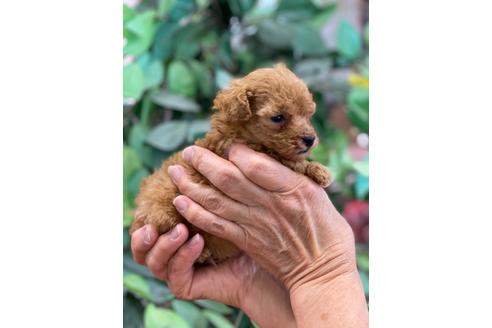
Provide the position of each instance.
(142, 25)
(152, 69)
(180, 79)
(365, 281)
(313, 71)
(155, 317)
(363, 261)
(320, 154)
(261, 10)
(164, 40)
(134, 182)
(320, 19)
(164, 7)
(275, 35)
(358, 108)
(361, 186)
(131, 163)
(127, 211)
(176, 102)
(222, 78)
(202, 3)
(130, 266)
(215, 306)
(362, 167)
(133, 81)
(136, 138)
(139, 33)
(181, 9)
(168, 136)
(190, 312)
(189, 41)
(126, 239)
(366, 34)
(348, 40)
(160, 293)
(137, 285)
(197, 128)
(307, 41)
(217, 320)
(128, 13)
(132, 312)
(136, 45)
(204, 78)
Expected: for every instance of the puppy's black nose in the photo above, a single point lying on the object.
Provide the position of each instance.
(308, 140)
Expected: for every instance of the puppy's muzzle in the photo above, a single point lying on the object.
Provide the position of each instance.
(308, 141)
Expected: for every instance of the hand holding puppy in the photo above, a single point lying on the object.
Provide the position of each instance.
(270, 111)
(283, 221)
(238, 281)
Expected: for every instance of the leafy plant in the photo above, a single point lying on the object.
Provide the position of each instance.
(177, 55)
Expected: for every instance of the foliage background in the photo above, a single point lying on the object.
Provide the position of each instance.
(179, 53)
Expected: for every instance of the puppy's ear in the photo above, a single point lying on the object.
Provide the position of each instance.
(235, 102)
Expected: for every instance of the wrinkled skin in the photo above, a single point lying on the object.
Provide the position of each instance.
(298, 246)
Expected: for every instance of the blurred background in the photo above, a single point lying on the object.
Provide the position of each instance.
(179, 53)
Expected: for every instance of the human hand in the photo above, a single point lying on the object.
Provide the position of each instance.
(283, 220)
(239, 281)
(278, 217)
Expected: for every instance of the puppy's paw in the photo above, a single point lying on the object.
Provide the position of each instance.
(319, 174)
(206, 256)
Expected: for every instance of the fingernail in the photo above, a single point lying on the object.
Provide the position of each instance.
(146, 232)
(180, 203)
(175, 232)
(188, 154)
(195, 240)
(175, 172)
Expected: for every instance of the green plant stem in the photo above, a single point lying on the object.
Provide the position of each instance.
(146, 108)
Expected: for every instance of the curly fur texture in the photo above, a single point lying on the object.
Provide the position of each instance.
(243, 114)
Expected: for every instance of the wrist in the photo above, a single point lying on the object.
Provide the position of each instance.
(337, 303)
(336, 260)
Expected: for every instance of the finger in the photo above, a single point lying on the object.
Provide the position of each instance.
(211, 199)
(165, 247)
(263, 170)
(223, 283)
(180, 268)
(208, 221)
(223, 174)
(142, 241)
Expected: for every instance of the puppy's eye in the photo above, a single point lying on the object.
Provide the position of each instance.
(278, 119)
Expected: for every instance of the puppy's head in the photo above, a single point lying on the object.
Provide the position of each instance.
(271, 107)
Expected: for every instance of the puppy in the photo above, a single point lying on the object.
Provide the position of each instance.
(269, 110)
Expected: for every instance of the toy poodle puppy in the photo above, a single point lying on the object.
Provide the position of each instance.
(269, 110)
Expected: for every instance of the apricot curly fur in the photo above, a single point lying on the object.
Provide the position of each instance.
(243, 115)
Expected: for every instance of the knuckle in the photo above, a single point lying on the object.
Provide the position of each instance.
(216, 227)
(179, 291)
(198, 160)
(227, 179)
(257, 166)
(310, 189)
(185, 185)
(192, 214)
(154, 266)
(173, 268)
(212, 202)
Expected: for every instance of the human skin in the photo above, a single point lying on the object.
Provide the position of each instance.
(239, 282)
(285, 223)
